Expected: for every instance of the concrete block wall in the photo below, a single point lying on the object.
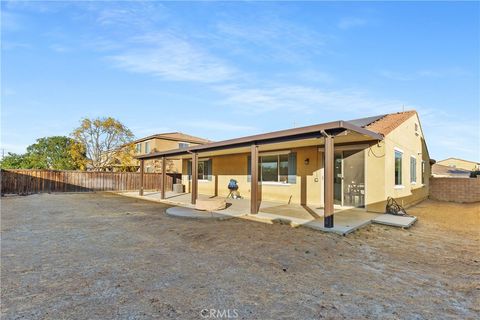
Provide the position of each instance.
(462, 190)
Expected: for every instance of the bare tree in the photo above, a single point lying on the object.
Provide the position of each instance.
(104, 140)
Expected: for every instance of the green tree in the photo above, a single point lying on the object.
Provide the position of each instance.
(53, 153)
(56, 153)
(14, 161)
(104, 140)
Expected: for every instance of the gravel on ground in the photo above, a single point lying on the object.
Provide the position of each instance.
(104, 256)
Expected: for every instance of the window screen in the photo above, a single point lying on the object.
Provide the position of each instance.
(269, 168)
(398, 168)
(413, 170)
(423, 172)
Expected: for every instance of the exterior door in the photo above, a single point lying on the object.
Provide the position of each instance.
(353, 178)
(338, 178)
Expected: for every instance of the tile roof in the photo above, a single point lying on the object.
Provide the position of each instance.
(180, 136)
(446, 171)
(176, 136)
(389, 122)
(453, 158)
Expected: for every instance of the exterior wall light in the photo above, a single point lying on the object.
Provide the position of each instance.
(307, 161)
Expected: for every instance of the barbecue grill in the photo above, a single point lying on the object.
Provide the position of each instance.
(233, 187)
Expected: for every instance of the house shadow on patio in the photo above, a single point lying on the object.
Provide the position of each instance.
(346, 220)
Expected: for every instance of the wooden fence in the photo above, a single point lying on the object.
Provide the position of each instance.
(38, 181)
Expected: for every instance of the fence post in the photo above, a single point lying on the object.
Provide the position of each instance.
(141, 177)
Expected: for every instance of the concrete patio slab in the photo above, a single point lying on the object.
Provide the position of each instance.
(338, 229)
(395, 221)
(190, 213)
(347, 220)
(279, 218)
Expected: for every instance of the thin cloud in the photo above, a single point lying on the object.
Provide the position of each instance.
(217, 126)
(276, 39)
(348, 23)
(395, 75)
(11, 21)
(138, 14)
(424, 73)
(172, 58)
(309, 100)
(8, 91)
(60, 48)
(13, 45)
(456, 140)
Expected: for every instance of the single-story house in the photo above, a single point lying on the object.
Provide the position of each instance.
(441, 171)
(339, 164)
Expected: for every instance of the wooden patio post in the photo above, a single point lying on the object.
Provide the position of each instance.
(141, 177)
(328, 186)
(194, 177)
(164, 178)
(254, 179)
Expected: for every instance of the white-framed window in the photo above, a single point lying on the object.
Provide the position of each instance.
(204, 169)
(183, 145)
(138, 148)
(147, 147)
(423, 172)
(274, 168)
(398, 167)
(413, 170)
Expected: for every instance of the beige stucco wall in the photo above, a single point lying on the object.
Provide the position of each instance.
(375, 173)
(412, 143)
(460, 164)
(307, 189)
(173, 165)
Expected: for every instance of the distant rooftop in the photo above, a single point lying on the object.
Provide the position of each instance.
(175, 136)
(446, 171)
(453, 158)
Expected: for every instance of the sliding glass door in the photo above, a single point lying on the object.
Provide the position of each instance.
(349, 178)
(354, 178)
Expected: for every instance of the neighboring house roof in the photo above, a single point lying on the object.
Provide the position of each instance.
(388, 122)
(175, 136)
(453, 158)
(439, 170)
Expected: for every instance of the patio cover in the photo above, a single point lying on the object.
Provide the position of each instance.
(327, 131)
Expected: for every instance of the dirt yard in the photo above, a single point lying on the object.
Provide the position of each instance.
(103, 256)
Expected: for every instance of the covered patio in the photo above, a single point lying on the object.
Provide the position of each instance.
(346, 220)
(306, 195)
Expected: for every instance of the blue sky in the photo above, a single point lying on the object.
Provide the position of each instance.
(223, 70)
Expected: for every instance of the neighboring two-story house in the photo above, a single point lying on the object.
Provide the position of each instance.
(162, 142)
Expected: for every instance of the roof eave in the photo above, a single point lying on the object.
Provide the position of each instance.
(293, 134)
